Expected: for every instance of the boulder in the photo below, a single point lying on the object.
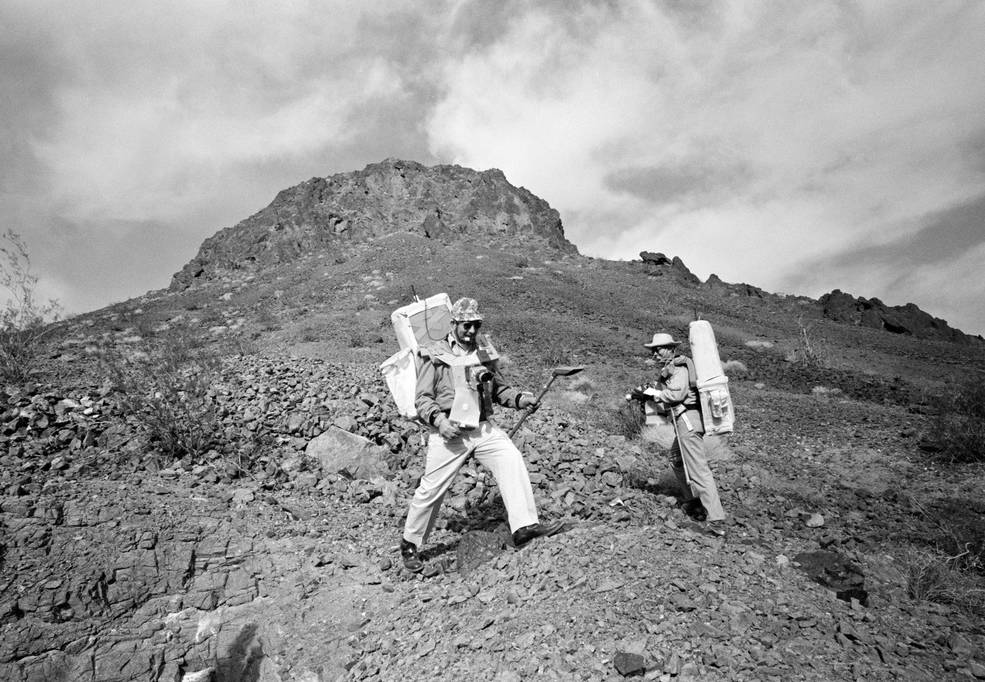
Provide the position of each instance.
(348, 454)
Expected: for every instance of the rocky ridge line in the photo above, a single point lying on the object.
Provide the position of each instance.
(335, 212)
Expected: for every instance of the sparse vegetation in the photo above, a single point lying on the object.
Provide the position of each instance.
(627, 420)
(735, 368)
(960, 423)
(934, 576)
(810, 353)
(23, 319)
(168, 388)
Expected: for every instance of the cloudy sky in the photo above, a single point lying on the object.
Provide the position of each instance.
(800, 146)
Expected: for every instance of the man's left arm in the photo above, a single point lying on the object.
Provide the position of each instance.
(506, 395)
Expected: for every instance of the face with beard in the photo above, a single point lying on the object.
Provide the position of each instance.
(465, 333)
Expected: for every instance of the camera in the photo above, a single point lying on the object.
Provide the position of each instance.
(479, 374)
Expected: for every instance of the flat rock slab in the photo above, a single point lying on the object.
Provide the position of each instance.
(346, 453)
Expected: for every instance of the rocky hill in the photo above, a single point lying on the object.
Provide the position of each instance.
(266, 549)
(439, 202)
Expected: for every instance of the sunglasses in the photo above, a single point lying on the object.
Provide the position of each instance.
(473, 324)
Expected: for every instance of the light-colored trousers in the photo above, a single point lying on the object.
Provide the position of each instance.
(494, 450)
(687, 459)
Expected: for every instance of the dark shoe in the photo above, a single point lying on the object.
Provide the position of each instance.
(694, 509)
(524, 535)
(412, 561)
(716, 528)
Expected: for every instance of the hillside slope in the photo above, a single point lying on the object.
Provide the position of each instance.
(260, 558)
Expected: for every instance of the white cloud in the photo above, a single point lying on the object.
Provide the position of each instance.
(825, 125)
(159, 98)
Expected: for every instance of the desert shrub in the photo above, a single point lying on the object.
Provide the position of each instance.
(626, 420)
(934, 576)
(960, 422)
(167, 387)
(735, 368)
(810, 353)
(23, 319)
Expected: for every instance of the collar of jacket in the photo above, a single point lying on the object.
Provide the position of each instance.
(676, 361)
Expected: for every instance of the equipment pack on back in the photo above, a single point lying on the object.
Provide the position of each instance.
(416, 324)
(717, 411)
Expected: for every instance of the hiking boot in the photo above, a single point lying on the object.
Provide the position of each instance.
(412, 560)
(524, 535)
(716, 528)
(694, 509)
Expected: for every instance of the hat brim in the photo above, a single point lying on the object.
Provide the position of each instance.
(661, 345)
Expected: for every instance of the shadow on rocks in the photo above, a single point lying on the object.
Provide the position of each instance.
(243, 658)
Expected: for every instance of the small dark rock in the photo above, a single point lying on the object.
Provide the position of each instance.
(629, 665)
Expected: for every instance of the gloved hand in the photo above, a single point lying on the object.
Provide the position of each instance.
(446, 429)
(527, 401)
(638, 394)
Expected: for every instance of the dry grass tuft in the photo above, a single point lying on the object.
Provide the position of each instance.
(934, 576)
(960, 424)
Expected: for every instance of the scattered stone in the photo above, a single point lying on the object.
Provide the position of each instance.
(629, 664)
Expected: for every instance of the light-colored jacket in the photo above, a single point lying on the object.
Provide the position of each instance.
(436, 387)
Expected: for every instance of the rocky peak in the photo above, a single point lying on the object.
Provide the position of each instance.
(906, 319)
(331, 213)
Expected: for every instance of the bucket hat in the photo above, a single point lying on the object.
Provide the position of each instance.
(465, 310)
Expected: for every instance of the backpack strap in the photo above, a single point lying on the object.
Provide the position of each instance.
(692, 374)
(686, 362)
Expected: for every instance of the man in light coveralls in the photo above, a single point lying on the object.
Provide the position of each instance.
(455, 371)
(675, 391)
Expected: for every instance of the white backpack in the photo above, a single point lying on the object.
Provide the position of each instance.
(717, 411)
(415, 324)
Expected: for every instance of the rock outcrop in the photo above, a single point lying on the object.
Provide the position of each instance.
(906, 319)
(660, 265)
(439, 202)
(717, 284)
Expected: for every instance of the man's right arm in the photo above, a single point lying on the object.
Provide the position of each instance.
(426, 401)
(424, 398)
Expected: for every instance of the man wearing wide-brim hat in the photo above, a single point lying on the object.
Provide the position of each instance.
(675, 394)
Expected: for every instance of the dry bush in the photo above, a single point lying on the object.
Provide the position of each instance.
(960, 422)
(168, 388)
(23, 319)
(934, 576)
(811, 354)
(626, 420)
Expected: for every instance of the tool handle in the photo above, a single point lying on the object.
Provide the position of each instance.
(528, 411)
